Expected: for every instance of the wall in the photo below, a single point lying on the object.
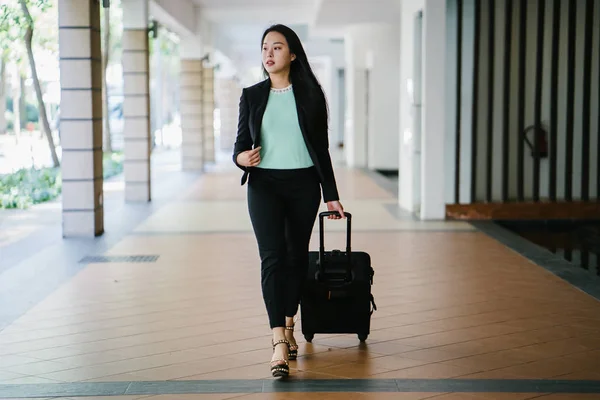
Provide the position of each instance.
(331, 55)
(485, 183)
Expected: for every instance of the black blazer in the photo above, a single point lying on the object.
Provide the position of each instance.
(313, 124)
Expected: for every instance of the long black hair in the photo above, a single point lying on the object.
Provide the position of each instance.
(305, 82)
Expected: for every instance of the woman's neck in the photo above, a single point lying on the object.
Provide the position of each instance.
(281, 80)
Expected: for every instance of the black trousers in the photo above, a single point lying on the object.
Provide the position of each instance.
(283, 206)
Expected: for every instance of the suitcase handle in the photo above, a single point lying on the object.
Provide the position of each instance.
(348, 216)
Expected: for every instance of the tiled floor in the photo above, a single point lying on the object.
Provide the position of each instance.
(453, 303)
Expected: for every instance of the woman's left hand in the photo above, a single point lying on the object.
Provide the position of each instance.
(335, 206)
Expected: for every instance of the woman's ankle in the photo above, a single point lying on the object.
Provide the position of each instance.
(278, 333)
(289, 321)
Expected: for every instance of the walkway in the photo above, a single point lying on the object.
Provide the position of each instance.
(168, 306)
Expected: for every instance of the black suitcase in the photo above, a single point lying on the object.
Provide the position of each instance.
(336, 297)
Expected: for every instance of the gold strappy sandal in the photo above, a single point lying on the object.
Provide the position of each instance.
(293, 353)
(278, 369)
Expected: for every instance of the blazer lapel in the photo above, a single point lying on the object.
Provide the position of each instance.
(301, 118)
(260, 109)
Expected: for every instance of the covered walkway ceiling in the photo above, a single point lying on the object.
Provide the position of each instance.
(235, 26)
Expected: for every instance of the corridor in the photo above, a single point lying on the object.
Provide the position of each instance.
(170, 308)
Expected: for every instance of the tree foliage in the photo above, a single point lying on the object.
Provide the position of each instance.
(14, 24)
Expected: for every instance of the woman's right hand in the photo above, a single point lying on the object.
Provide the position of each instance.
(249, 158)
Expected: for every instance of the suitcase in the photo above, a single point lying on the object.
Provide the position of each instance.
(336, 297)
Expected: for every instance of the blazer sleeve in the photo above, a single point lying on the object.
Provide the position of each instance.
(329, 186)
(243, 140)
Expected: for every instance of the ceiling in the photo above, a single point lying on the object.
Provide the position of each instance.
(237, 25)
(258, 12)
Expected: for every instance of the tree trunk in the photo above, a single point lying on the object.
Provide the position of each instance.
(17, 110)
(107, 138)
(2, 96)
(22, 102)
(36, 84)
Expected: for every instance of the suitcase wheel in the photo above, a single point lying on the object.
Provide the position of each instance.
(363, 337)
(309, 337)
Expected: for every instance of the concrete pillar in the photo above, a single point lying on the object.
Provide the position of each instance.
(433, 205)
(81, 117)
(192, 146)
(136, 105)
(208, 109)
(228, 94)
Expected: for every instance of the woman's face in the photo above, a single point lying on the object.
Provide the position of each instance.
(276, 55)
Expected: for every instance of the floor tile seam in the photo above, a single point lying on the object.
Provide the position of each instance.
(82, 313)
(113, 328)
(518, 347)
(122, 337)
(458, 329)
(139, 372)
(544, 358)
(388, 200)
(226, 330)
(512, 348)
(221, 369)
(446, 318)
(193, 307)
(56, 360)
(222, 330)
(248, 232)
(128, 346)
(70, 368)
(126, 316)
(520, 364)
(449, 361)
(439, 282)
(541, 314)
(503, 308)
(466, 315)
(452, 330)
(106, 319)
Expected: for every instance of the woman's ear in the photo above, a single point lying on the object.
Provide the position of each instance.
(293, 57)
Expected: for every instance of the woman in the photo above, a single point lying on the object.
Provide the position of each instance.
(283, 149)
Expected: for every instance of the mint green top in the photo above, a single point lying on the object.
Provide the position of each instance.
(282, 143)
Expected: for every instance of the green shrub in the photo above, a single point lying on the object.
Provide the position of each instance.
(30, 186)
(112, 164)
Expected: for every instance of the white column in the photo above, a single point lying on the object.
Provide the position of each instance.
(192, 146)
(355, 146)
(383, 60)
(208, 99)
(81, 117)
(136, 105)
(433, 205)
(409, 177)
(373, 54)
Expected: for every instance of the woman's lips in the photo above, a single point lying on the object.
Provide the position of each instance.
(270, 63)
